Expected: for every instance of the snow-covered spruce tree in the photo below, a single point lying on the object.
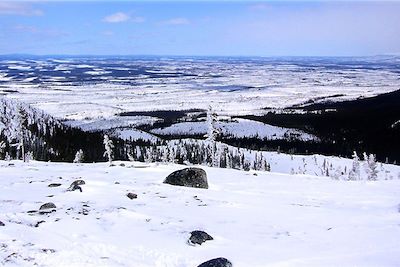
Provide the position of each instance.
(212, 133)
(79, 156)
(29, 156)
(354, 173)
(108, 146)
(22, 126)
(373, 168)
(2, 148)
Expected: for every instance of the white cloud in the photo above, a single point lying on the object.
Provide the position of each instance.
(19, 9)
(176, 21)
(122, 17)
(117, 17)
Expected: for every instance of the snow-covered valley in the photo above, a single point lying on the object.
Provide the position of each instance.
(256, 218)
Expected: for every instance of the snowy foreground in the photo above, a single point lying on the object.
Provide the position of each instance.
(256, 218)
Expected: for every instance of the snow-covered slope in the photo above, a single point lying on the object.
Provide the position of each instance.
(15, 115)
(237, 128)
(256, 219)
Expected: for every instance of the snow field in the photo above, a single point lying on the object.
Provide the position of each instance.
(256, 218)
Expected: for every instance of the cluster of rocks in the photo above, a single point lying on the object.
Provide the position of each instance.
(188, 177)
(197, 178)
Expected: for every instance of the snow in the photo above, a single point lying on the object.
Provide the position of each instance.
(97, 72)
(112, 122)
(238, 87)
(256, 219)
(19, 67)
(134, 134)
(237, 128)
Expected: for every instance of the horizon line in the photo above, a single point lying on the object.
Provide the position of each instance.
(177, 56)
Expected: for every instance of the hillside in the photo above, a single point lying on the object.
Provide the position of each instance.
(256, 218)
(43, 136)
(367, 125)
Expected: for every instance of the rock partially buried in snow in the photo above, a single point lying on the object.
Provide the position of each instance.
(2, 224)
(76, 185)
(47, 208)
(199, 237)
(54, 185)
(218, 262)
(131, 195)
(189, 177)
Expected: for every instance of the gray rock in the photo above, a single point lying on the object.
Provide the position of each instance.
(189, 177)
(38, 223)
(217, 262)
(48, 206)
(2, 224)
(131, 195)
(54, 185)
(199, 237)
(76, 185)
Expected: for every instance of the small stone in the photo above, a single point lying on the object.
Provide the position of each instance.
(122, 164)
(2, 224)
(217, 262)
(48, 250)
(54, 185)
(199, 237)
(131, 195)
(38, 223)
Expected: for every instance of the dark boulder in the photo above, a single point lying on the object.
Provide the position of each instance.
(131, 195)
(199, 237)
(2, 224)
(189, 177)
(76, 185)
(54, 185)
(48, 206)
(218, 262)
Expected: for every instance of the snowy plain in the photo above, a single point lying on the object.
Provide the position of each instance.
(256, 218)
(98, 88)
(90, 93)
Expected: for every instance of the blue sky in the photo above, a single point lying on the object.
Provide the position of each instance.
(225, 28)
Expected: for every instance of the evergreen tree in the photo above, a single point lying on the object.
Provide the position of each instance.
(355, 170)
(2, 147)
(373, 168)
(79, 156)
(108, 146)
(212, 133)
(22, 127)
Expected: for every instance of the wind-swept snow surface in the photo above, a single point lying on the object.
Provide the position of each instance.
(256, 219)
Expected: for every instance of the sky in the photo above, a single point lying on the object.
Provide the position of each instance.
(200, 28)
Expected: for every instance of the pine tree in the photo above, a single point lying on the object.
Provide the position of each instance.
(373, 168)
(108, 146)
(22, 127)
(212, 133)
(79, 156)
(2, 147)
(355, 170)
